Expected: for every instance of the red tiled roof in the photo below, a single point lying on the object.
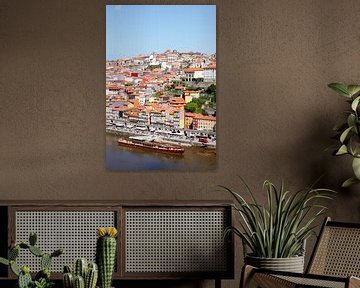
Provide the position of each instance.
(177, 100)
(113, 87)
(203, 117)
(190, 70)
(193, 115)
(211, 66)
(134, 113)
(121, 108)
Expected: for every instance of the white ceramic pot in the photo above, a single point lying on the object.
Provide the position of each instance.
(291, 264)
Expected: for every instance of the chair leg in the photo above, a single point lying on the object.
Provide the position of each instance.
(246, 273)
(217, 283)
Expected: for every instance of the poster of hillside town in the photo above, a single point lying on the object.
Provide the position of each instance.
(161, 87)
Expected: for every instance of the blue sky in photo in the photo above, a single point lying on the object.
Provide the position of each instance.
(141, 29)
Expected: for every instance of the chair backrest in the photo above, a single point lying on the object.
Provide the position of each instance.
(337, 251)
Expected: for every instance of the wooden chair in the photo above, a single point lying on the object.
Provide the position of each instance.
(334, 263)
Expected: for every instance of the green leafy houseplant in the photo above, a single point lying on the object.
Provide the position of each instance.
(279, 229)
(348, 132)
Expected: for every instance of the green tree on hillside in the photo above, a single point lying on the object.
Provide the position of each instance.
(211, 91)
(194, 107)
(152, 67)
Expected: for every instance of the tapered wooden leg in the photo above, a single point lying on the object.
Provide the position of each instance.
(217, 283)
(246, 274)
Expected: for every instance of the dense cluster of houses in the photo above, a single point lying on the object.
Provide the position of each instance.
(151, 91)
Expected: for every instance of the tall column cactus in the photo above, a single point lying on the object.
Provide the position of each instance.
(106, 254)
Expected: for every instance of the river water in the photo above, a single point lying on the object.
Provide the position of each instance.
(119, 158)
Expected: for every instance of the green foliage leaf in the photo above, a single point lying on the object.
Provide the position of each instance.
(354, 146)
(356, 167)
(14, 268)
(345, 134)
(340, 88)
(43, 283)
(355, 103)
(351, 120)
(353, 89)
(4, 261)
(349, 182)
(342, 150)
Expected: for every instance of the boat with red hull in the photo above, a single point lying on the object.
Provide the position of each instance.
(147, 145)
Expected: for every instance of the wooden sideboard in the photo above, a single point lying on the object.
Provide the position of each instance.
(157, 240)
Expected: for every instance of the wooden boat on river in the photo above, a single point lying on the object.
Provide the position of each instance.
(149, 144)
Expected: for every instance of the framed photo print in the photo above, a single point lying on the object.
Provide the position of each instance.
(160, 87)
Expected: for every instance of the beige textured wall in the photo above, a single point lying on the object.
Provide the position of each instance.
(275, 58)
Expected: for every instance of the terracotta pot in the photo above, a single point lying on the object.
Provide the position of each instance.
(291, 264)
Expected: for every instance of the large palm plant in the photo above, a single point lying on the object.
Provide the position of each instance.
(279, 229)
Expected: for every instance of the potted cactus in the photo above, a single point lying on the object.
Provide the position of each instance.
(42, 278)
(106, 254)
(85, 275)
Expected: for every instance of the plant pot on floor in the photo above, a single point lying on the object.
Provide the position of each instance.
(290, 264)
(275, 233)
